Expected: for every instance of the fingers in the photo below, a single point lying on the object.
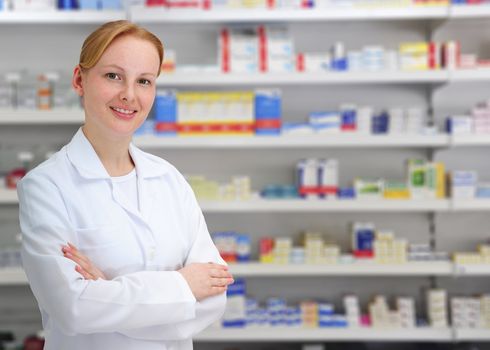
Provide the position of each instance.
(217, 290)
(219, 274)
(217, 266)
(221, 282)
(84, 273)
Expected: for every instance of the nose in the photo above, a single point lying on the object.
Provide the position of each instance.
(127, 93)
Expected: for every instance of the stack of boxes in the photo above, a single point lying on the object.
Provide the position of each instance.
(216, 113)
(232, 246)
(485, 311)
(426, 179)
(477, 122)
(236, 308)
(388, 250)
(239, 189)
(314, 246)
(352, 310)
(309, 314)
(252, 50)
(406, 310)
(363, 235)
(437, 308)
(317, 178)
(482, 256)
(380, 313)
(268, 112)
(463, 184)
(466, 312)
(419, 56)
(282, 250)
(424, 252)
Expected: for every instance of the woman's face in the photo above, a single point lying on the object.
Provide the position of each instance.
(119, 90)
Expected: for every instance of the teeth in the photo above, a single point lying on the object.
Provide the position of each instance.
(120, 110)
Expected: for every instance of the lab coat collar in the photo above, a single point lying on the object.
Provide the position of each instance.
(85, 159)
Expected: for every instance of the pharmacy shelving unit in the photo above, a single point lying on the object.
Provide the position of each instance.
(428, 79)
(60, 17)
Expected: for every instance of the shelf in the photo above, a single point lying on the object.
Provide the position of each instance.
(255, 269)
(476, 204)
(473, 335)
(469, 11)
(60, 17)
(470, 140)
(470, 75)
(8, 196)
(234, 79)
(293, 141)
(284, 334)
(469, 270)
(36, 117)
(145, 15)
(300, 205)
(11, 277)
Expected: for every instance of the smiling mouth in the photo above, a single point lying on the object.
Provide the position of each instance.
(123, 111)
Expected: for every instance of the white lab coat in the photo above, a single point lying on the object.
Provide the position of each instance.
(145, 304)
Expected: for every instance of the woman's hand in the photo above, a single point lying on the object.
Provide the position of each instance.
(84, 266)
(206, 279)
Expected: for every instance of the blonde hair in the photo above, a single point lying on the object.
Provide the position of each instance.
(98, 41)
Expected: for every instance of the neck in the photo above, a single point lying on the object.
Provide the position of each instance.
(113, 153)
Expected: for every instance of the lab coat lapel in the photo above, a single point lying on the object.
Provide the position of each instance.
(148, 167)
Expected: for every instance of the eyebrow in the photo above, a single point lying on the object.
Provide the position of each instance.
(121, 68)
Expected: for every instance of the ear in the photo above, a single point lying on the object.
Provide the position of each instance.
(76, 81)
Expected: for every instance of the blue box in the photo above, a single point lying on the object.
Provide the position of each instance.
(1, 5)
(89, 4)
(111, 4)
(67, 4)
(165, 109)
(267, 105)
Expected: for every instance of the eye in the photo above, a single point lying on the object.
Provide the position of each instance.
(112, 76)
(144, 82)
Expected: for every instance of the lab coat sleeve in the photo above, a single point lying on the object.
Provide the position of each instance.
(202, 250)
(133, 301)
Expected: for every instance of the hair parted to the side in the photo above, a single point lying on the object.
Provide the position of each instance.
(98, 41)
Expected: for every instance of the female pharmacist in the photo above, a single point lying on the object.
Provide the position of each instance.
(141, 271)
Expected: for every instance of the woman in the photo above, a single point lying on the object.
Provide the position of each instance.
(115, 246)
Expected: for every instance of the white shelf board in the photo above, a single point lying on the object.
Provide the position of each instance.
(300, 205)
(284, 334)
(177, 79)
(293, 141)
(12, 276)
(472, 334)
(8, 196)
(470, 75)
(255, 269)
(38, 117)
(470, 140)
(469, 11)
(60, 17)
(161, 15)
(472, 270)
(476, 204)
